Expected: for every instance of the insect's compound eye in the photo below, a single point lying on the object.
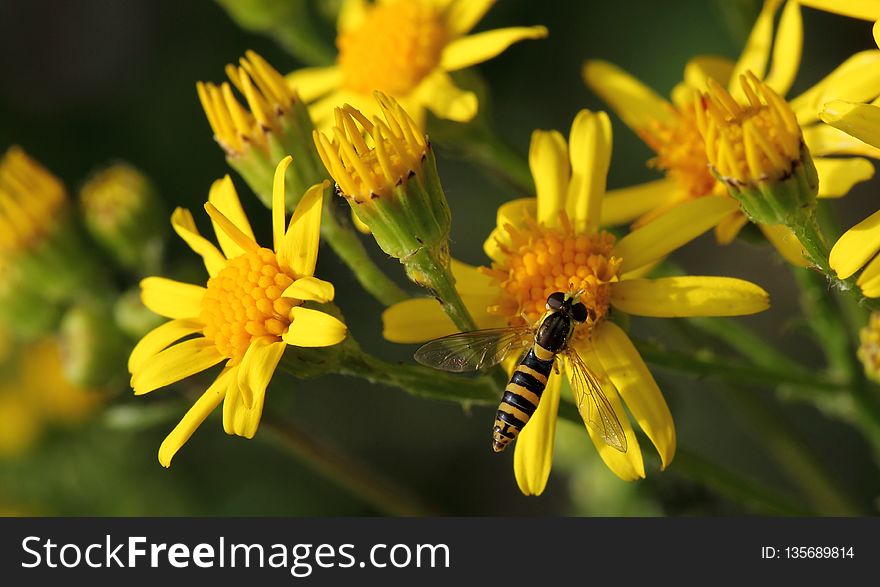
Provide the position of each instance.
(555, 301)
(579, 312)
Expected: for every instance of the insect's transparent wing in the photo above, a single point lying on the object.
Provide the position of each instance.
(477, 349)
(592, 404)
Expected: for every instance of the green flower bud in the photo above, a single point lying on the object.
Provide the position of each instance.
(274, 124)
(93, 350)
(387, 172)
(125, 215)
(757, 150)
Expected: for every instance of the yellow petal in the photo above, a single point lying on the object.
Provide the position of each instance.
(298, 252)
(240, 242)
(310, 289)
(634, 102)
(864, 9)
(824, 139)
(869, 280)
(704, 67)
(158, 340)
(175, 363)
(838, 176)
(257, 367)
(442, 97)
(626, 204)
(728, 229)
(197, 414)
(548, 160)
(757, 50)
(636, 385)
(170, 298)
(859, 120)
(533, 452)
(279, 209)
(473, 49)
(786, 243)
(312, 328)
(514, 213)
(856, 246)
(311, 83)
(463, 15)
(787, 49)
(351, 14)
(590, 152)
(856, 80)
(185, 227)
(682, 296)
(416, 320)
(628, 465)
(672, 230)
(224, 197)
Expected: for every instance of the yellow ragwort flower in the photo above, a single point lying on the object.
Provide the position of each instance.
(385, 168)
(553, 243)
(869, 347)
(31, 201)
(406, 49)
(35, 393)
(670, 127)
(863, 9)
(251, 309)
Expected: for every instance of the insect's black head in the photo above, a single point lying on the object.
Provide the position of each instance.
(569, 304)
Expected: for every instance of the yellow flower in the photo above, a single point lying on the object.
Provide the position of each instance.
(670, 127)
(864, 9)
(406, 49)
(251, 309)
(391, 183)
(31, 202)
(552, 243)
(869, 347)
(36, 393)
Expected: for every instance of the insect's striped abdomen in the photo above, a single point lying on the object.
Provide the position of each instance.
(521, 396)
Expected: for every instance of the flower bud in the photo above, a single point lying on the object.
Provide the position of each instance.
(274, 124)
(124, 214)
(387, 172)
(93, 350)
(757, 150)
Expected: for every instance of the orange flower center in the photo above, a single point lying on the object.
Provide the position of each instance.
(681, 152)
(542, 260)
(393, 49)
(244, 302)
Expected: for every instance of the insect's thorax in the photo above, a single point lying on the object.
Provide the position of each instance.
(554, 331)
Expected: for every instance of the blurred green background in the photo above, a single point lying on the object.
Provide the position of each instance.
(87, 82)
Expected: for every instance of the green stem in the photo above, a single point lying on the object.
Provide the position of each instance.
(741, 339)
(810, 237)
(824, 319)
(350, 474)
(430, 268)
(790, 452)
(737, 487)
(705, 364)
(345, 243)
(419, 381)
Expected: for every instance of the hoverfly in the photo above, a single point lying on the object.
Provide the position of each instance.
(546, 339)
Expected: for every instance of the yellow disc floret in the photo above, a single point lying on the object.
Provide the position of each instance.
(749, 143)
(243, 302)
(869, 349)
(681, 152)
(395, 46)
(541, 260)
